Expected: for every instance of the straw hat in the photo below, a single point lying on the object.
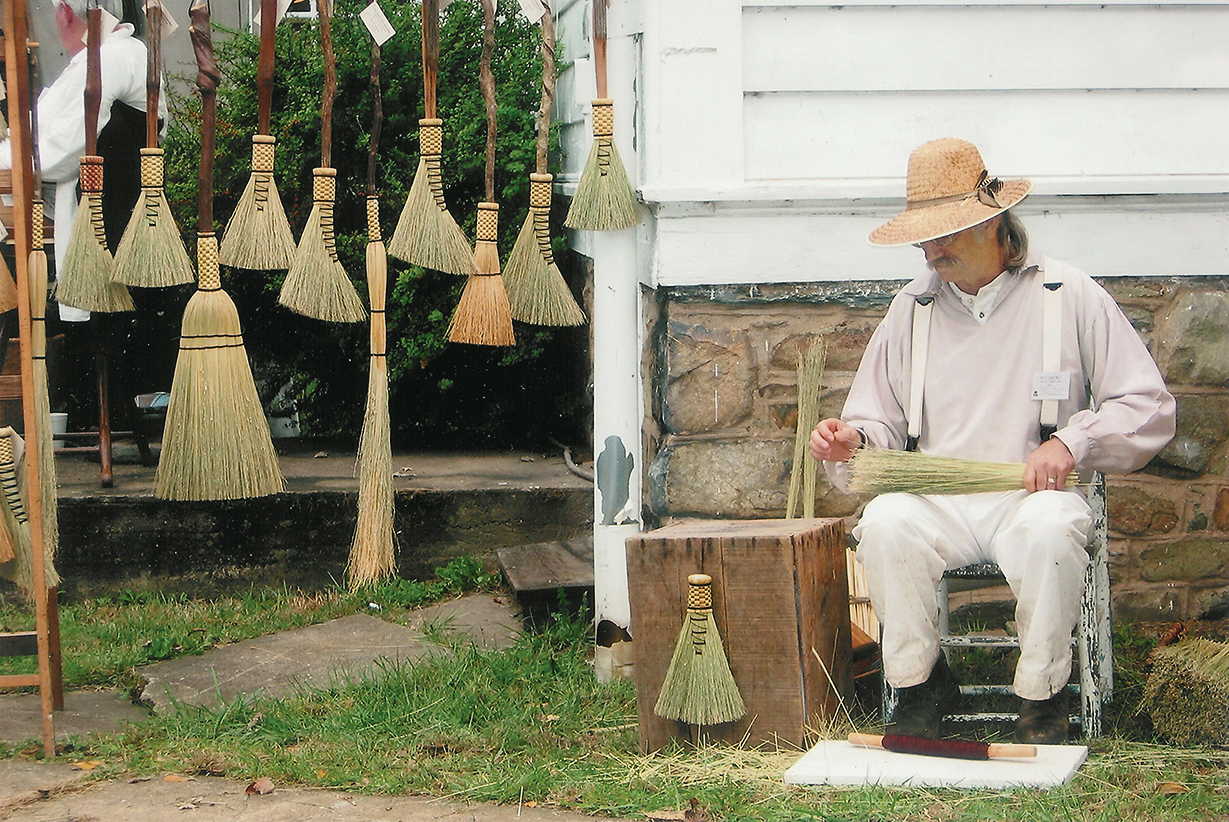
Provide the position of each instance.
(947, 190)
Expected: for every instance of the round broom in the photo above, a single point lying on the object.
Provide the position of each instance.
(537, 291)
(886, 471)
(373, 550)
(151, 253)
(604, 200)
(699, 688)
(426, 234)
(483, 316)
(217, 443)
(258, 236)
(84, 276)
(317, 284)
(15, 550)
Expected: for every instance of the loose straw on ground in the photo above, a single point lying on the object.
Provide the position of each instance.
(483, 316)
(373, 550)
(885, 471)
(537, 291)
(258, 236)
(217, 443)
(810, 371)
(1187, 692)
(317, 284)
(426, 233)
(151, 253)
(604, 200)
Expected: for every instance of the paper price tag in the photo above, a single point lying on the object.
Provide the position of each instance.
(3, 91)
(283, 6)
(532, 9)
(377, 24)
(443, 4)
(1051, 385)
(169, 26)
(109, 22)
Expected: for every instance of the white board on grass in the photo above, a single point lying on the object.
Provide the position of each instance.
(836, 762)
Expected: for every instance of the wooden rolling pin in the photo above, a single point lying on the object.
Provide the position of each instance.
(953, 748)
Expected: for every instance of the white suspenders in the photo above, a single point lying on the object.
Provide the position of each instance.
(917, 367)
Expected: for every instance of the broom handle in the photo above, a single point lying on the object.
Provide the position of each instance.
(330, 86)
(994, 750)
(486, 79)
(264, 68)
(548, 85)
(599, 46)
(430, 54)
(93, 78)
(153, 73)
(377, 117)
(35, 157)
(207, 77)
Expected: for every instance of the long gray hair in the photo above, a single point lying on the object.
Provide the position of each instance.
(80, 8)
(1013, 239)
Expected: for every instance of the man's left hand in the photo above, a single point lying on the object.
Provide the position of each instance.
(1047, 467)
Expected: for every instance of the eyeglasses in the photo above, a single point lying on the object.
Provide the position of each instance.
(941, 242)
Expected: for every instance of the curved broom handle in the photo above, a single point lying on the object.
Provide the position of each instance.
(330, 86)
(430, 55)
(486, 79)
(93, 77)
(207, 77)
(548, 85)
(264, 68)
(153, 73)
(599, 46)
(377, 116)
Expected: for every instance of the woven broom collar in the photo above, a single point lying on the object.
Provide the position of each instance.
(699, 592)
(488, 222)
(431, 136)
(263, 149)
(541, 232)
(151, 168)
(207, 276)
(603, 117)
(91, 173)
(539, 190)
(324, 184)
(36, 225)
(373, 219)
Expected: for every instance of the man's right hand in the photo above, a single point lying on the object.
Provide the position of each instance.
(834, 441)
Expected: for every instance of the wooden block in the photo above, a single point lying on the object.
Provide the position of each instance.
(781, 602)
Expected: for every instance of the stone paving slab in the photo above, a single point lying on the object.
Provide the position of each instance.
(85, 713)
(25, 783)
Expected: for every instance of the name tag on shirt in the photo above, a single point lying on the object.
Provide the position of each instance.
(1051, 385)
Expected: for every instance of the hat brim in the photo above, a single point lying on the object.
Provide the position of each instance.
(917, 225)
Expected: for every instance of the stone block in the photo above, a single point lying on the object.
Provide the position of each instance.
(739, 479)
(1135, 512)
(711, 378)
(1151, 604)
(1193, 339)
(1190, 560)
(1220, 515)
(1202, 428)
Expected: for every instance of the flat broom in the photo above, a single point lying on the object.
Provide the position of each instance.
(483, 316)
(258, 236)
(373, 550)
(426, 233)
(317, 284)
(83, 278)
(151, 253)
(699, 688)
(886, 471)
(217, 443)
(537, 291)
(604, 200)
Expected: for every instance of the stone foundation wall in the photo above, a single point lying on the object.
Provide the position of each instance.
(722, 404)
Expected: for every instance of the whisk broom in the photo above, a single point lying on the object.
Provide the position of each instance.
(217, 443)
(317, 284)
(151, 253)
(483, 316)
(603, 200)
(884, 471)
(699, 688)
(804, 469)
(258, 236)
(537, 291)
(426, 233)
(373, 550)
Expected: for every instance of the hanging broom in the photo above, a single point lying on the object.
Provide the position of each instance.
(16, 552)
(426, 234)
(537, 291)
(373, 551)
(258, 236)
(803, 471)
(483, 316)
(317, 285)
(151, 253)
(217, 443)
(885, 471)
(604, 200)
(699, 688)
(84, 276)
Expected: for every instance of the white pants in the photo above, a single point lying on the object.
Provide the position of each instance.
(907, 541)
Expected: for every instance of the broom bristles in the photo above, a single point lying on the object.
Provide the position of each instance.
(803, 472)
(84, 279)
(373, 551)
(217, 443)
(427, 235)
(885, 471)
(604, 200)
(483, 316)
(151, 253)
(44, 443)
(699, 688)
(1187, 692)
(8, 288)
(13, 512)
(258, 235)
(317, 285)
(537, 292)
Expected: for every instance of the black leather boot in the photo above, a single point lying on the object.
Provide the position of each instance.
(1043, 722)
(921, 707)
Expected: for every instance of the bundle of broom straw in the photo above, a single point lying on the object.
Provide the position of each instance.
(604, 200)
(44, 445)
(537, 291)
(317, 284)
(19, 569)
(886, 471)
(803, 472)
(217, 443)
(483, 316)
(699, 688)
(373, 550)
(258, 235)
(1187, 692)
(151, 253)
(426, 233)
